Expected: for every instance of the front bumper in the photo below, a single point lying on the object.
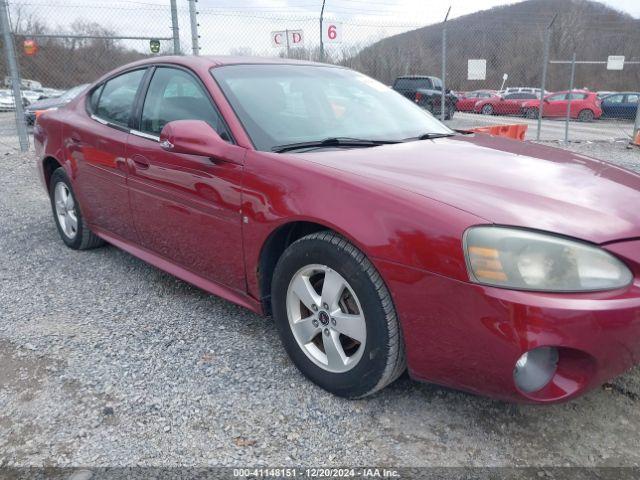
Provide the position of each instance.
(469, 336)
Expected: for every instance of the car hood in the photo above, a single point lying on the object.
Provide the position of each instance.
(47, 103)
(506, 182)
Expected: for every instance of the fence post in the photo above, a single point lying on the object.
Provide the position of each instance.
(444, 66)
(636, 128)
(174, 28)
(322, 32)
(14, 74)
(193, 16)
(545, 63)
(566, 122)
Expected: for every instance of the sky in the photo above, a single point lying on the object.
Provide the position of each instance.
(232, 26)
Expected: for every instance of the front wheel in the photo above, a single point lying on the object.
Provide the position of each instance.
(531, 113)
(335, 316)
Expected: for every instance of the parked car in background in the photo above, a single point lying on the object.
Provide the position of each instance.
(508, 104)
(376, 237)
(6, 101)
(522, 90)
(585, 105)
(467, 100)
(621, 105)
(31, 96)
(426, 91)
(34, 109)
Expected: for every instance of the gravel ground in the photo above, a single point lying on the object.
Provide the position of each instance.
(107, 361)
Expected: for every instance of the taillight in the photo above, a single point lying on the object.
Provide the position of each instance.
(418, 97)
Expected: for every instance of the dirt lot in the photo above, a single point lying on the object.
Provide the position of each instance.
(107, 361)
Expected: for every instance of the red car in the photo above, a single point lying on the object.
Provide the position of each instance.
(467, 100)
(509, 104)
(376, 237)
(585, 105)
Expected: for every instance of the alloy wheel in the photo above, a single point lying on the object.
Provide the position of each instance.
(326, 318)
(66, 210)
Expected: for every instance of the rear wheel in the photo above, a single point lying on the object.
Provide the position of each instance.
(487, 109)
(586, 115)
(335, 316)
(66, 211)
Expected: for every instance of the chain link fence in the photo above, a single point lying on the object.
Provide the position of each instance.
(487, 69)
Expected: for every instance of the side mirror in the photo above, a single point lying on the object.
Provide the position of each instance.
(196, 137)
(545, 100)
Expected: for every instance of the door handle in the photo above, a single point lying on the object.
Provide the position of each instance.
(140, 162)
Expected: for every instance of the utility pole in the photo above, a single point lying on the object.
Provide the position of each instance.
(444, 65)
(288, 48)
(14, 74)
(545, 62)
(322, 32)
(195, 38)
(174, 27)
(636, 128)
(566, 122)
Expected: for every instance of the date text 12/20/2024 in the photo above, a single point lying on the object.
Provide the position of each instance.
(315, 473)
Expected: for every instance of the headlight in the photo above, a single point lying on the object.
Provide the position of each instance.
(526, 260)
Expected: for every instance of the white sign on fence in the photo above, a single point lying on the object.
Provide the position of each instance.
(331, 32)
(477, 69)
(615, 62)
(295, 37)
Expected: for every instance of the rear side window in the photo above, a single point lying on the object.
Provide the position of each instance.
(557, 97)
(634, 98)
(577, 96)
(174, 94)
(115, 104)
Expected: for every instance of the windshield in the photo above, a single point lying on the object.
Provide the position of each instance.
(284, 104)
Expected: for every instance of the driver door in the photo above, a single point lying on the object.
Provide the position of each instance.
(186, 208)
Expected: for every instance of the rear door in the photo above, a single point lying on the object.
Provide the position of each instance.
(96, 142)
(186, 208)
(509, 104)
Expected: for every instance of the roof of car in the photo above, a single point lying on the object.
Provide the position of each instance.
(219, 60)
(415, 76)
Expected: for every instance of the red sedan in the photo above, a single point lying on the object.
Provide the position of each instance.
(585, 105)
(467, 100)
(509, 104)
(376, 237)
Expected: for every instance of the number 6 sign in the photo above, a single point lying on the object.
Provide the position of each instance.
(332, 31)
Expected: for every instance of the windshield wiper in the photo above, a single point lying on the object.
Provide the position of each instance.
(431, 135)
(332, 142)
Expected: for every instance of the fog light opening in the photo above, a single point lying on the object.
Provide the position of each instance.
(535, 369)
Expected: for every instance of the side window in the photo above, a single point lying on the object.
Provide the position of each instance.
(118, 94)
(633, 98)
(557, 97)
(577, 96)
(512, 96)
(437, 84)
(614, 99)
(174, 94)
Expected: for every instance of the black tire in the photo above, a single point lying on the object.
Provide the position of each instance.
(84, 238)
(531, 113)
(586, 115)
(487, 109)
(383, 359)
(448, 113)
